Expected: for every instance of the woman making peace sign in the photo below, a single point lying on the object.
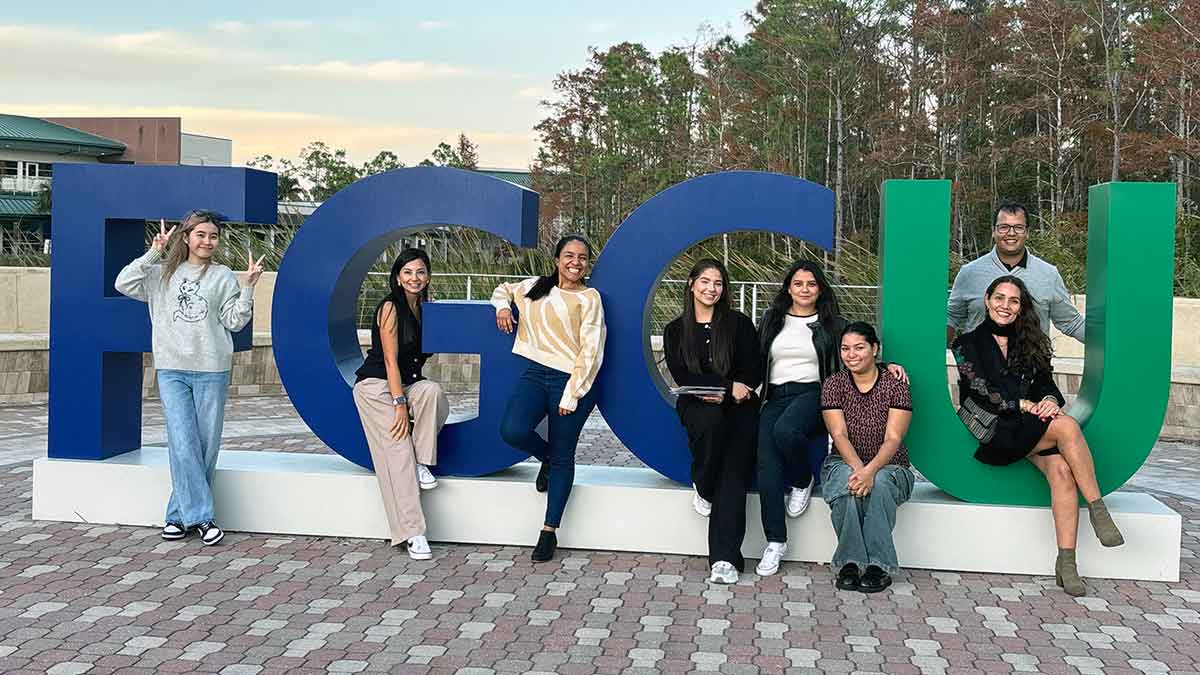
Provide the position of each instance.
(195, 304)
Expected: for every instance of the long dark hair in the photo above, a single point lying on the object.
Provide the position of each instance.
(543, 285)
(722, 322)
(1029, 348)
(408, 324)
(827, 304)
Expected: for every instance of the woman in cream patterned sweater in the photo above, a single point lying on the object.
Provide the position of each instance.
(561, 334)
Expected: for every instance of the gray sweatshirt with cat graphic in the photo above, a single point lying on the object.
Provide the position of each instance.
(192, 315)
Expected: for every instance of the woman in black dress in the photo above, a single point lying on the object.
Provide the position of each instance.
(1012, 406)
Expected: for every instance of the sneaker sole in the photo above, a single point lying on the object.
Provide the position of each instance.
(766, 573)
(427, 486)
(420, 556)
(214, 542)
(174, 537)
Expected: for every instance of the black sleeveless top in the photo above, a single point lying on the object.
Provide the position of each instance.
(409, 356)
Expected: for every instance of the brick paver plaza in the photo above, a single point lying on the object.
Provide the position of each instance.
(101, 599)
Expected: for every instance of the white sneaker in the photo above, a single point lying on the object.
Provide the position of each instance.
(771, 558)
(425, 478)
(797, 501)
(418, 548)
(702, 505)
(723, 573)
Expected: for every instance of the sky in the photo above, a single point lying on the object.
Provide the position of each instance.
(365, 76)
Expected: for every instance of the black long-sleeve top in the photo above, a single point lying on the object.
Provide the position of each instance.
(747, 362)
(985, 376)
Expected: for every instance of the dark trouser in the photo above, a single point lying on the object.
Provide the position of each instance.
(721, 438)
(535, 397)
(789, 421)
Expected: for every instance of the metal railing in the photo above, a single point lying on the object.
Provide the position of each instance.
(749, 297)
(22, 184)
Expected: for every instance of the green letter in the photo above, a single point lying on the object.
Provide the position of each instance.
(1127, 371)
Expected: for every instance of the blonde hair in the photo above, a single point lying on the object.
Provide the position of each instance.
(177, 248)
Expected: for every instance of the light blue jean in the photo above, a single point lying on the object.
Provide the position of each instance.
(194, 407)
(864, 524)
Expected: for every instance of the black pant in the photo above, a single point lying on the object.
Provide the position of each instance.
(722, 439)
(790, 421)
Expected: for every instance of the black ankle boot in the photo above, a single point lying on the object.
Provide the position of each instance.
(546, 545)
(542, 483)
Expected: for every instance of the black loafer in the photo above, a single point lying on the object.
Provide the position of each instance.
(542, 483)
(847, 578)
(874, 580)
(546, 545)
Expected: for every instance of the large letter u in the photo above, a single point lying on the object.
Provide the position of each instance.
(1127, 365)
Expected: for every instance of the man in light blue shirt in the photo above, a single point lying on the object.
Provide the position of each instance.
(1010, 229)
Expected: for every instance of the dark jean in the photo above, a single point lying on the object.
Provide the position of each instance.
(535, 398)
(864, 524)
(787, 425)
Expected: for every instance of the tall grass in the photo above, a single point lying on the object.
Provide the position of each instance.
(751, 257)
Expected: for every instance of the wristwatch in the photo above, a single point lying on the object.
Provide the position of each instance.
(400, 400)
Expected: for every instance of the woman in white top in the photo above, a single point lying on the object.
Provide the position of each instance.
(561, 333)
(799, 336)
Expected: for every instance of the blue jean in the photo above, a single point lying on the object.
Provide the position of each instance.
(194, 407)
(864, 524)
(535, 397)
(787, 425)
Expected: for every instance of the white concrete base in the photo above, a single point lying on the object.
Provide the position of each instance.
(621, 509)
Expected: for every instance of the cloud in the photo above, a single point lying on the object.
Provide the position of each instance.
(376, 71)
(283, 133)
(290, 25)
(536, 93)
(250, 96)
(80, 51)
(159, 43)
(429, 24)
(230, 27)
(149, 40)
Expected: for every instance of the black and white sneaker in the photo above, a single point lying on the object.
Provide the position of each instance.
(172, 531)
(209, 533)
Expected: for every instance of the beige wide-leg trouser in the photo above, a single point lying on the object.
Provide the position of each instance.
(396, 461)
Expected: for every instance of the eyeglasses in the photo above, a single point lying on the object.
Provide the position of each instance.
(1012, 229)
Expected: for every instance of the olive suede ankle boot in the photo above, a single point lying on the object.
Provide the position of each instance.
(1103, 525)
(1066, 575)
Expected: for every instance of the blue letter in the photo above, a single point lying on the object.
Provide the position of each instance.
(316, 302)
(97, 336)
(633, 263)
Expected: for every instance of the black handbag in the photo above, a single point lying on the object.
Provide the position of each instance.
(981, 423)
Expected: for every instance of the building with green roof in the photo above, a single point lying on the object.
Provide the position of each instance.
(29, 147)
